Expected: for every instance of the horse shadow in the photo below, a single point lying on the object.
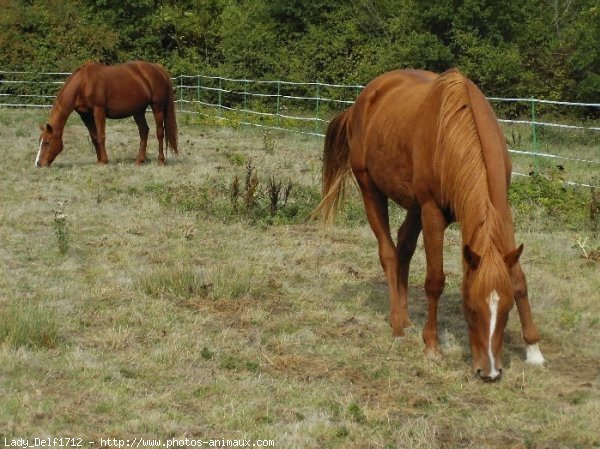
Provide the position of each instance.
(451, 320)
(117, 160)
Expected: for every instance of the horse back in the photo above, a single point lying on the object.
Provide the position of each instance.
(411, 128)
(382, 135)
(123, 89)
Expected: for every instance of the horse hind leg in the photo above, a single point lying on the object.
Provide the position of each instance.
(376, 208)
(159, 117)
(144, 129)
(408, 235)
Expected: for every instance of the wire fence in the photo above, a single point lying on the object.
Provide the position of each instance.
(543, 136)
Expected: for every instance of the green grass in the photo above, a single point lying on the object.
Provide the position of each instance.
(174, 312)
(28, 325)
(577, 157)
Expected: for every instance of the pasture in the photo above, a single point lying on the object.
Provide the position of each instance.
(162, 302)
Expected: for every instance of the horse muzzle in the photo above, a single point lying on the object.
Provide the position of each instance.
(494, 376)
(40, 164)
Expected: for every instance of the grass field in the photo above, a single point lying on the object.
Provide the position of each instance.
(165, 302)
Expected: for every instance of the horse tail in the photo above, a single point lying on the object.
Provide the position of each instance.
(336, 168)
(170, 120)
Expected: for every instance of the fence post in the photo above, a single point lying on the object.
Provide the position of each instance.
(278, 100)
(198, 88)
(317, 119)
(536, 168)
(220, 97)
(246, 100)
(180, 93)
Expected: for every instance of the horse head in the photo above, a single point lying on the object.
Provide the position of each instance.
(51, 144)
(488, 298)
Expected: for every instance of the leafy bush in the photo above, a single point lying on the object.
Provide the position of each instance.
(508, 48)
(548, 201)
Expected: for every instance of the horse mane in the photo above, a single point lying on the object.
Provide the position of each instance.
(75, 72)
(57, 105)
(460, 165)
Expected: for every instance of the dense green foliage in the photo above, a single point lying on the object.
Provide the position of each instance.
(548, 48)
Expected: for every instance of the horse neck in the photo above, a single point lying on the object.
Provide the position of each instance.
(487, 229)
(470, 164)
(64, 104)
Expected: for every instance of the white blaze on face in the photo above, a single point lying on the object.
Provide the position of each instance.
(39, 153)
(493, 304)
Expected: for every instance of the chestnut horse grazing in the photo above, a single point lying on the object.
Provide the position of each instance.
(432, 144)
(97, 91)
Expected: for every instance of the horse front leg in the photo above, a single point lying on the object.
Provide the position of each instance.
(531, 335)
(434, 225)
(100, 121)
(144, 129)
(408, 235)
(88, 121)
(376, 208)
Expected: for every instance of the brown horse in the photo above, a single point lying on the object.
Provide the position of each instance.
(432, 144)
(97, 91)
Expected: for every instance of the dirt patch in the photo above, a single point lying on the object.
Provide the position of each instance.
(581, 372)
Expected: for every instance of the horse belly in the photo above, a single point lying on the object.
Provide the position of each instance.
(400, 191)
(127, 100)
(392, 173)
(119, 110)
(117, 114)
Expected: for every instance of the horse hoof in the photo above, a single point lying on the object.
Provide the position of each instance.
(534, 355)
(400, 323)
(410, 329)
(432, 353)
(398, 334)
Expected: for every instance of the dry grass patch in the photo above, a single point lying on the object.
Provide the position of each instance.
(173, 314)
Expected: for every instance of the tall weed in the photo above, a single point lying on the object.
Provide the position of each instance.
(23, 324)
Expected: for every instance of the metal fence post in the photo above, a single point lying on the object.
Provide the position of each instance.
(220, 96)
(180, 93)
(246, 100)
(198, 88)
(534, 143)
(317, 118)
(278, 99)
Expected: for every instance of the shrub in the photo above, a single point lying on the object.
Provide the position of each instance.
(550, 199)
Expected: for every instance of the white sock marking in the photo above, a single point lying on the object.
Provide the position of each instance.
(493, 303)
(37, 159)
(534, 355)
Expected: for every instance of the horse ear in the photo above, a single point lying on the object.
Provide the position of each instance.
(46, 128)
(513, 257)
(471, 257)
